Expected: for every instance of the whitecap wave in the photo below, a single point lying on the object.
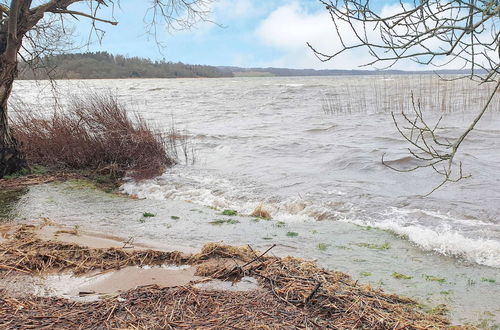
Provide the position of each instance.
(429, 230)
(443, 240)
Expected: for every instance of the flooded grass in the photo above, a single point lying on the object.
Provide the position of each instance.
(323, 246)
(292, 234)
(488, 280)
(229, 212)
(400, 276)
(374, 246)
(432, 278)
(148, 215)
(220, 222)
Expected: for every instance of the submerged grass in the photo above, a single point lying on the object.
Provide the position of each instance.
(433, 278)
(220, 222)
(323, 246)
(229, 212)
(374, 246)
(400, 276)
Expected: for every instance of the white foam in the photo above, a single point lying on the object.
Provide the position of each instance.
(443, 240)
(429, 230)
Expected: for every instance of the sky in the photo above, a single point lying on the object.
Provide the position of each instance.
(248, 33)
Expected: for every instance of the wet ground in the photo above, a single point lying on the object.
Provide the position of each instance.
(373, 256)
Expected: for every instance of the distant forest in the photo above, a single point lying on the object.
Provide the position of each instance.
(102, 65)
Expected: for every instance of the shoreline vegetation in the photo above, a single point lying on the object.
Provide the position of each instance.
(95, 135)
(103, 65)
(286, 292)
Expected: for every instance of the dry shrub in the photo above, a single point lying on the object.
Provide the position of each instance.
(94, 133)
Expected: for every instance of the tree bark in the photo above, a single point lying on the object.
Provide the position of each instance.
(11, 160)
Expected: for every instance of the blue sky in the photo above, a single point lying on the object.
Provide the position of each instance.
(254, 33)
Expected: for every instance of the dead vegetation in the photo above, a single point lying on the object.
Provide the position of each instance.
(295, 293)
(26, 253)
(94, 133)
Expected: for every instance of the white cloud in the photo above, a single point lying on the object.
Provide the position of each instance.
(290, 27)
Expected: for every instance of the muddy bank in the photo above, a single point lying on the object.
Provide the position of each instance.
(152, 288)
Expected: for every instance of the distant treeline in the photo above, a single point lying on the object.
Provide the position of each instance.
(102, 65)
(285, 72)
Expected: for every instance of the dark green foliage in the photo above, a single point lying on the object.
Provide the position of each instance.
(102, 65)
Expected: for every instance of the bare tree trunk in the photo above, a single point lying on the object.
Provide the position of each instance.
(11, 159)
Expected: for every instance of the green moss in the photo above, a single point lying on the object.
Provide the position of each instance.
(220, 222)
(292, 234)
(434, 278)
(323, 246)
(365, 274)
(229, 212)
(445, 292)
(148, 215)
(280, 224)
(174, 217)
(400, 276)
(374, 246)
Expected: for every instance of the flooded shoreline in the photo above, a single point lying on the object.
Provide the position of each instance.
(269, 141)
(368, 254)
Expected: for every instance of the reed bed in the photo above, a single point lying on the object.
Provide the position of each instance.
(293, 293)
(393, 94)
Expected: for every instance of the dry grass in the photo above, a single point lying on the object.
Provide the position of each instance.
(24, 252)
(261, 212)
(96, 133)
(294, 293)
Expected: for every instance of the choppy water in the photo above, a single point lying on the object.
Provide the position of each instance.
(269, 141)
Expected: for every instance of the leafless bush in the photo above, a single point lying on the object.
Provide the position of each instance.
(93, 133)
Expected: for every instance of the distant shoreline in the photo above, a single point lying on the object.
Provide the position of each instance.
(102, 65)
(243, 75)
